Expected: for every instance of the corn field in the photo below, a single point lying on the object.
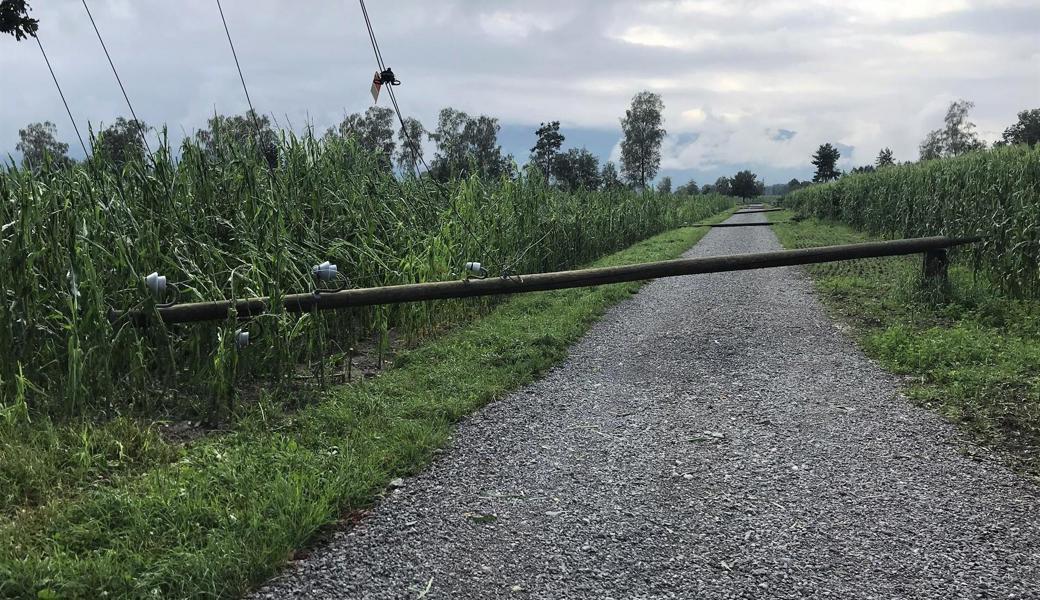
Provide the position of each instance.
(995, 194)
(76, 242)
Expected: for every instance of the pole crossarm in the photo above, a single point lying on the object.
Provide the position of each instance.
(416, 292)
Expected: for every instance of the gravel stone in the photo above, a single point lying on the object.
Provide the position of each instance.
(713, 436)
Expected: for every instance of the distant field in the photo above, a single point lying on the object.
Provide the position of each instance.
(994, 193)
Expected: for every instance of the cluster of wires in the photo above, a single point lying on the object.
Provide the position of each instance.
(385, 78)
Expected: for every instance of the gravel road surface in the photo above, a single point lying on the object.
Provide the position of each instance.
(714, 436)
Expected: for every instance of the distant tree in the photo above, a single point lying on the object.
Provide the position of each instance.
(960, 133)
(577, 169)
(932, 146)
(547, 147)
(794, 184)
(825, 159)
(241, 131)
(123, 141)
(665, 185)
(466, 145)
(410, 151)
(37, 141)
(885, 158)
(688, 189)
(707, 188)
(609, 177)
(643, 129)
(15, 20)
(864, 169)
(481, 136)
(746, 185)
(1026, 130)
(956, 137)
(373, 131)
(724, 186)
(450, 159)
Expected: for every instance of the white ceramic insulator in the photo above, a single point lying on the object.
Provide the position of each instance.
(156, 283)
(326, 271)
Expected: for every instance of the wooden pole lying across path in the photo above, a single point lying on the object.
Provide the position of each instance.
(756, 210)
(740, 224)
(210, 311)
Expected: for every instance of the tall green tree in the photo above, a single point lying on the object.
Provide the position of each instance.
(1026, 130)
(688, 189)
(467, 145)
(957, 135)
(609, 178)
(38, 141)
(122, 141)
(665, 185)
(932, 146)
(547, 147)
(481, 137)
(643, 129)
(825, 161)
(451, 157)
(746, 185)
(885, 158)
(577, 169)
(373, 131)
(15, 19)
(723, 185)
(409, 149)
(247, 130)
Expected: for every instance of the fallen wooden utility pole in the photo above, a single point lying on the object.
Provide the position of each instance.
(934, 247)
(766, 224)
(756, 210)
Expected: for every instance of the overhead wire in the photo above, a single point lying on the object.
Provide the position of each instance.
(140, 125)
(415, 143)
(36, 36)
(261, 147)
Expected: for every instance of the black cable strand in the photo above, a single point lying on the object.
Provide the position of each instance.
(372, 37)
(140, 125)
(400, 117)
(265, 152)
(62, 94)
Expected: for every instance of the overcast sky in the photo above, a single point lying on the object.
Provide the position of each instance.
(745, 83)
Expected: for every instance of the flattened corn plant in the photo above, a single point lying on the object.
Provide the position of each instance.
(76, 242)
(994, 193)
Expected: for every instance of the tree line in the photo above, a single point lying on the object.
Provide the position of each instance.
(464, 145)
(957, 136)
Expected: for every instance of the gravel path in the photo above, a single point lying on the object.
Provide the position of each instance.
(714, 436)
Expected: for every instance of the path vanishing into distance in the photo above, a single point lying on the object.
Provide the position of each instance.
(714, 436)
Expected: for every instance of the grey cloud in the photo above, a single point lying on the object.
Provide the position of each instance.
(741, 68)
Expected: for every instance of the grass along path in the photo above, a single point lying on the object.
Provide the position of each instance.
(967, 351)
(232, 509)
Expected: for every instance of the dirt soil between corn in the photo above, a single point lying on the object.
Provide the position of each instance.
(714, 436)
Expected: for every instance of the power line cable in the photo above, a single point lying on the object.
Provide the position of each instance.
(264, 151)
(140, 125)
(400, 117)
(62, 94)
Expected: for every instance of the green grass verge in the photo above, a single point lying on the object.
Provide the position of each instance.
(231, 509)
(967, 350)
